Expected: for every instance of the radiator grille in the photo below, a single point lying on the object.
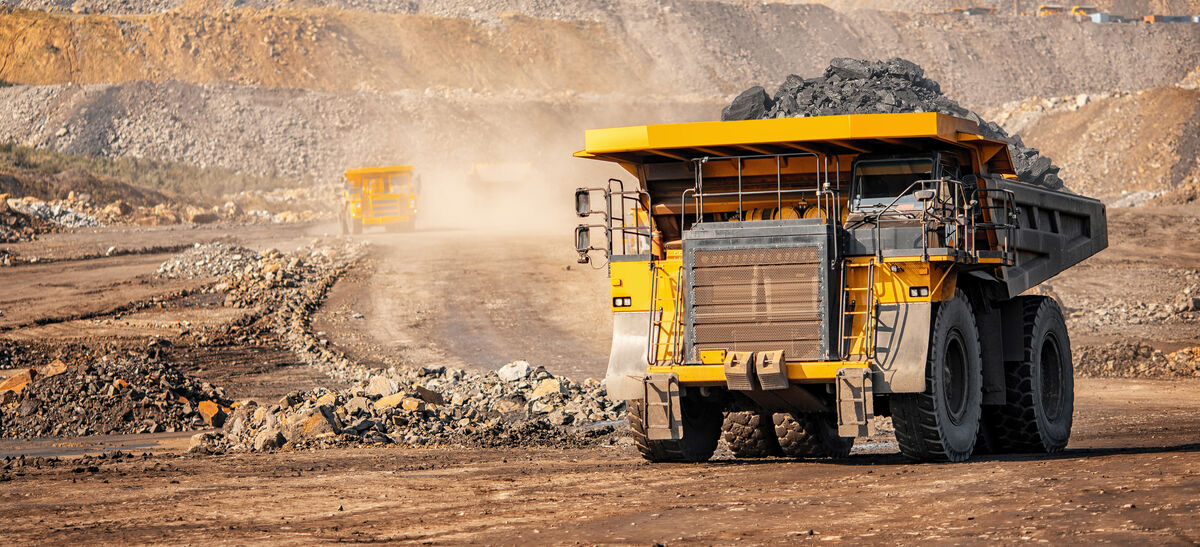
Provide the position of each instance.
(758, 300)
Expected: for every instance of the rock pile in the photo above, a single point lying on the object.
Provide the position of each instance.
(853, 86)
(16, 225)
(519, 404)
(109, 395)
(209, 260)
(1136, 360)
(56, 212)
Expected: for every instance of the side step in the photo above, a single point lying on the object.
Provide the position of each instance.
(855, 402)
(663, 418)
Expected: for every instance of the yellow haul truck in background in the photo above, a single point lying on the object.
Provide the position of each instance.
(379, 196)
(787, 280)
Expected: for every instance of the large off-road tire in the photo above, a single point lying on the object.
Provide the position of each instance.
(810, 435)
(356, 225)
(942, 422)
(1039, 398)
(701, 431)
(343, 222)
(750, 434)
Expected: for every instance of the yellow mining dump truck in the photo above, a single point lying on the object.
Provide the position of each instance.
(787, 280)
(381, 196)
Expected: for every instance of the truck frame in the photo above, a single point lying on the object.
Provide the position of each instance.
(787, 280)
(379, 196)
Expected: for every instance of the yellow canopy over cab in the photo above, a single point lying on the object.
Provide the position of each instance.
(361, 172)
(825, 135)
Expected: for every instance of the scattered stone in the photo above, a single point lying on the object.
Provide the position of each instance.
(381, 386)
(514, 371)
(549, 386)
(213, 414)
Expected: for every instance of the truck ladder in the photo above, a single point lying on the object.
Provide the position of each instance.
(868, 311)
(665, 332)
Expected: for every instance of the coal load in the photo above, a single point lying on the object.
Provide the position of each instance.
(854, 86)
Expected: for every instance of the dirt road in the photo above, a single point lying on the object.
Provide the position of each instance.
(473, 300)
(1131, 474)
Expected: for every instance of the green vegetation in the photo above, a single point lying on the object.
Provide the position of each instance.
(158, 175)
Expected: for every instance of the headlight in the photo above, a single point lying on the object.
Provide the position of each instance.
(622, 301)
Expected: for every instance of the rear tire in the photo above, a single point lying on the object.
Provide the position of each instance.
(810, 435)
(751, 434)
(1038, 390)
(356, 226)
(942, 423)
(701, 431)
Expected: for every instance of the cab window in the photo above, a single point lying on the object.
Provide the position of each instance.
(878, 182)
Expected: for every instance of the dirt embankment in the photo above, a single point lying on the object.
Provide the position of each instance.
(632, 48)
(1128, 8)
(316, 134)
(1125, 148)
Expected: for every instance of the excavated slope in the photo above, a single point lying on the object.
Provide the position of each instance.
(711, 48)
(596, 10)
(315, 134)
(1125, 148)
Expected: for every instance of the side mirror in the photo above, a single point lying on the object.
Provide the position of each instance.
(583, 202)
(925, 195)
(583, 239)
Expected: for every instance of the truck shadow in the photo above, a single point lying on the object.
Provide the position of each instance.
(897, 459)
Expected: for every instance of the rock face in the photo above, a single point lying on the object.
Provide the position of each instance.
(854, 86)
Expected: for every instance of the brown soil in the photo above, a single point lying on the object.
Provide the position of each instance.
(1129, 475)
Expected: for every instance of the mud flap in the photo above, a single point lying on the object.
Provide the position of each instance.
(627, 359)
(663, 419)
(855, 402)
(902, 347)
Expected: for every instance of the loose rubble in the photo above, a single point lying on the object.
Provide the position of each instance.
(58, 213)
(1136, 360)
(853, 86)
(110, 395)
(432, 405)
(16, 225)
(209, 260)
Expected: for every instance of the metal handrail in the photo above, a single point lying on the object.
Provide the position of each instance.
(699, 194)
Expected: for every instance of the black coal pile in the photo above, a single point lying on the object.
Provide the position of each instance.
(110, 395)
(854, 86)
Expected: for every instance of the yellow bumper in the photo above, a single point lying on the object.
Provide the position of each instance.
(714, 375)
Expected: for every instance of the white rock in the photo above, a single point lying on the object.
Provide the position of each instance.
(514, 371)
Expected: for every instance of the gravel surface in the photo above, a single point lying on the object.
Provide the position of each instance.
(853, 86)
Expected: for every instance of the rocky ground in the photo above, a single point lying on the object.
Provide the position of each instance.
(1128, 476)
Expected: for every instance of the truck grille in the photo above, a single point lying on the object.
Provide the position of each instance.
(758, 300)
